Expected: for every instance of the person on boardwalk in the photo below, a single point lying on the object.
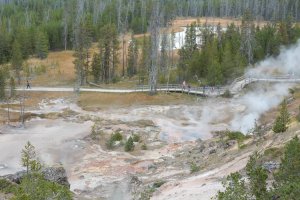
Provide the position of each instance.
(183, 85)
(28, 85)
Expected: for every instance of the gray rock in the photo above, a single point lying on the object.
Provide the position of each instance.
(229, 144)
(212, 151)
(56, 175)
(271, 166)
(53, 174)
(15, 178)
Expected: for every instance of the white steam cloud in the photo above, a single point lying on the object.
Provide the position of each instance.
(260, 100)
(287, 63)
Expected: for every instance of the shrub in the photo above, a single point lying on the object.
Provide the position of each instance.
(129, 145)
(158, 184)
(194, 168)
(236, 135)
(136, 138)
(144, 147)
(227, 94)
(110, 143)
(34, 186)
(113, 138)
(117, 137)
(7, 187)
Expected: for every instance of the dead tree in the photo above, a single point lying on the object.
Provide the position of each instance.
(154, 31)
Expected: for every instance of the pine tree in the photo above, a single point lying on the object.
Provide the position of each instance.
(12, 87)
(129, 145)
(2, 85)
(247, 34)
(132, 57)
(108, 49)
(42, 45)
(29, 158)
(5, 46)
(227, 62)
(287, 179)
(282, 120)
(144, 61)
(96, 67)
(164, 55)
(258, 177)
(17, 60)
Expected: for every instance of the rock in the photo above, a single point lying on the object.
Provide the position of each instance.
(271, 166)
(135, 181)
(15, 178)
(53, 174)
(56, 175)
(152, 166)
(229, 144)
(200, 149)
(212, 151)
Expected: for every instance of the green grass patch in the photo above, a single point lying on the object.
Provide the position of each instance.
(273, 153)
(8, 187)
(194, 168)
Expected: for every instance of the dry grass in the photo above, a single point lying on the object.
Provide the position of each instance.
(59, 69)
(94, 101)
(181, 22)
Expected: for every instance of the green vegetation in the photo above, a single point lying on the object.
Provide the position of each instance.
(34, 186)
(114, 138)
(2, 84)
(129, 145)
(287, 178)
(158, 184)
(273, 153)
(298, 115)
(238, 136)
(227, 94)
(194, 168)
(136, 138)
(282, 120)
(144, 147)
(7, 187)
(29, 159)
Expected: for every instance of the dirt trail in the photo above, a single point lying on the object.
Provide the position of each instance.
(203, 186)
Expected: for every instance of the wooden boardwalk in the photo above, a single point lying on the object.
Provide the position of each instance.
(234, 88)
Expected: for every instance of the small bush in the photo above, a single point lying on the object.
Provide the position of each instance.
(114, 138)
(291, 91)
(116, 79)
(273, 153)
(144, 147)
(7, 187)
(110, 144)
(136, 138)
(236, 135)
(194, 168)
(129, 145)
(158, 184)
(227, 94)
(117, 136)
